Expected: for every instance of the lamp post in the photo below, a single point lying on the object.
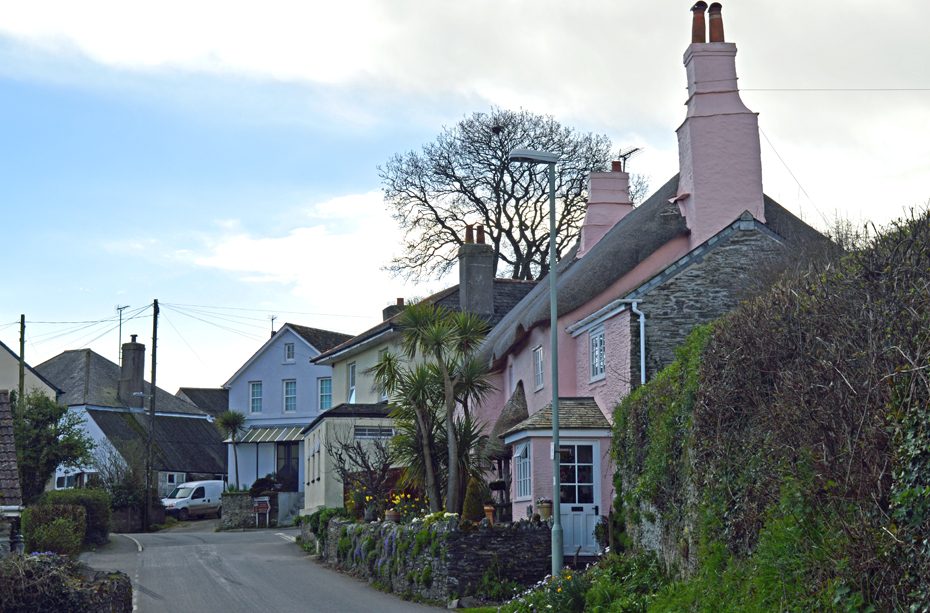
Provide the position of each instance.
(528, 156)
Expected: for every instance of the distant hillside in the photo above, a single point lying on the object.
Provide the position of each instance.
(783, 461)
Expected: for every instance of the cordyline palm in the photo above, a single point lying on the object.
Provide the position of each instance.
(232, 423)
(448, 340)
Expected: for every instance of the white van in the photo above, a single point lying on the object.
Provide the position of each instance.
(195, 498)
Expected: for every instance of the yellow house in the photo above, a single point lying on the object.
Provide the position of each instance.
(358, 404)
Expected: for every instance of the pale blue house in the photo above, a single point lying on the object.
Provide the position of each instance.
(280, 392)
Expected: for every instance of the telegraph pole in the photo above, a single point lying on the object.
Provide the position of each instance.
(120, 348)
(150, 469)
(22, 358)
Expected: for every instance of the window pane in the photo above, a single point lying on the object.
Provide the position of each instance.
(567, 494)
(585, 474)
(585, 454)
(567, 454)
(585, 494)
(567, 473)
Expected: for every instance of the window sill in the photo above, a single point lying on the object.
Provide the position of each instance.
(540, 388)
(598, 379)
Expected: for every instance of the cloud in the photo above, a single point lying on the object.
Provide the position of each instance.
(332, 262)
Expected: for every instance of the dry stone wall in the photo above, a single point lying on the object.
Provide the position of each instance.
(438, 560)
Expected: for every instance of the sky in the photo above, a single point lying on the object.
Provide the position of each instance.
(222, 157)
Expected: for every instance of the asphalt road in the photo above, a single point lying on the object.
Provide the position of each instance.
(191, 569)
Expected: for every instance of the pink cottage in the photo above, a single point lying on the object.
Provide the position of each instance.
(638, 281)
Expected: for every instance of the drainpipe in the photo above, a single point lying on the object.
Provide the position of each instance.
(642, 339)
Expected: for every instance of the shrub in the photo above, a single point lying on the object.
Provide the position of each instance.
(56, 528)
(96, 504)
(48, 582)
(472, 508)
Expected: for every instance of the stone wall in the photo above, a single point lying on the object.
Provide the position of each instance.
(438, 560)
(709, 282)
(237, 511)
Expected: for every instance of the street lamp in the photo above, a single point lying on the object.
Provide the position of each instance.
(528, 156)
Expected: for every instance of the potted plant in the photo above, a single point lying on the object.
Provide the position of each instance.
(489, 513)
(544, 508)
(392, 515)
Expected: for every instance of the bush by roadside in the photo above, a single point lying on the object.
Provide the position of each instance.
(56, 528)
(96, 503)
(48, 582)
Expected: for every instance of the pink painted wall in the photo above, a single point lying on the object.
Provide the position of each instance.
(608, 391)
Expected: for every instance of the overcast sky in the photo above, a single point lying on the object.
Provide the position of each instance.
(224, 154)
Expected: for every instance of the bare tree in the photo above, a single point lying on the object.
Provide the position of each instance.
(362, 464)
(464, 177)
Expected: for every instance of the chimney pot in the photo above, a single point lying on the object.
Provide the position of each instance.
(698, 28)
(480, 237)
(133, 338)
(469, 234)
(716, 23)
(616, 166)
(400, 302)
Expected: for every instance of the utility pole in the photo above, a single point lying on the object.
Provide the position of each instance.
(22, 358)
(150, 468)
(119, 351)
(273, 317)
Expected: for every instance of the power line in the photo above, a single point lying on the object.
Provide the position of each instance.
(181, 336)
(207, 321)
(206, 306)
(835, 89)
(801, 187)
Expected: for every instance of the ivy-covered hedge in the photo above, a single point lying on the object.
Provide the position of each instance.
(96, 503)
(783, 461)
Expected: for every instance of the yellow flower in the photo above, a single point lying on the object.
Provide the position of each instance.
(558, 589)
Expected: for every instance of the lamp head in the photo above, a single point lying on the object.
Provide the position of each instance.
(530, 156)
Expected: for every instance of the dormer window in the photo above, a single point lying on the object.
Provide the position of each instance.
(288, 352)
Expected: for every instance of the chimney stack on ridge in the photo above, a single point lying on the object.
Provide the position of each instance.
(608, 202)
(131, 380)
(719, 156)
(476, 274)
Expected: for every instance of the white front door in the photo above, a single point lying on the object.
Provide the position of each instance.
(579, 474)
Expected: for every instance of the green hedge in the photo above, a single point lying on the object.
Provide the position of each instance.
(96, 503)
(54, 527)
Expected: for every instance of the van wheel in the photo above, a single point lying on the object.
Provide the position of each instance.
(184, 514)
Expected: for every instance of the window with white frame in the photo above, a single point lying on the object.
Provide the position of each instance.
(373, 432)
(596, 346)
(538, 367)
(350, 382)
(290, 395)
(325, 389)
(522, 470)
(288, 352)
(255, 397)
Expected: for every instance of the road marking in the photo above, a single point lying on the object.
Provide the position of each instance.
(286, 537)
(138, 544)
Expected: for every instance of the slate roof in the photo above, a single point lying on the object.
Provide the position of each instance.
(211, 400)
(182, 444)
(10, 493)
(574, 413)
(349, 411)
(86, 377)
(641, 232)
(321, 339)
(507, 294)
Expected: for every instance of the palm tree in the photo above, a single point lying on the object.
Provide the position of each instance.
(232, 423)
(447, 340)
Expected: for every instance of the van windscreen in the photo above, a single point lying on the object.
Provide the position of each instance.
(181, 492)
